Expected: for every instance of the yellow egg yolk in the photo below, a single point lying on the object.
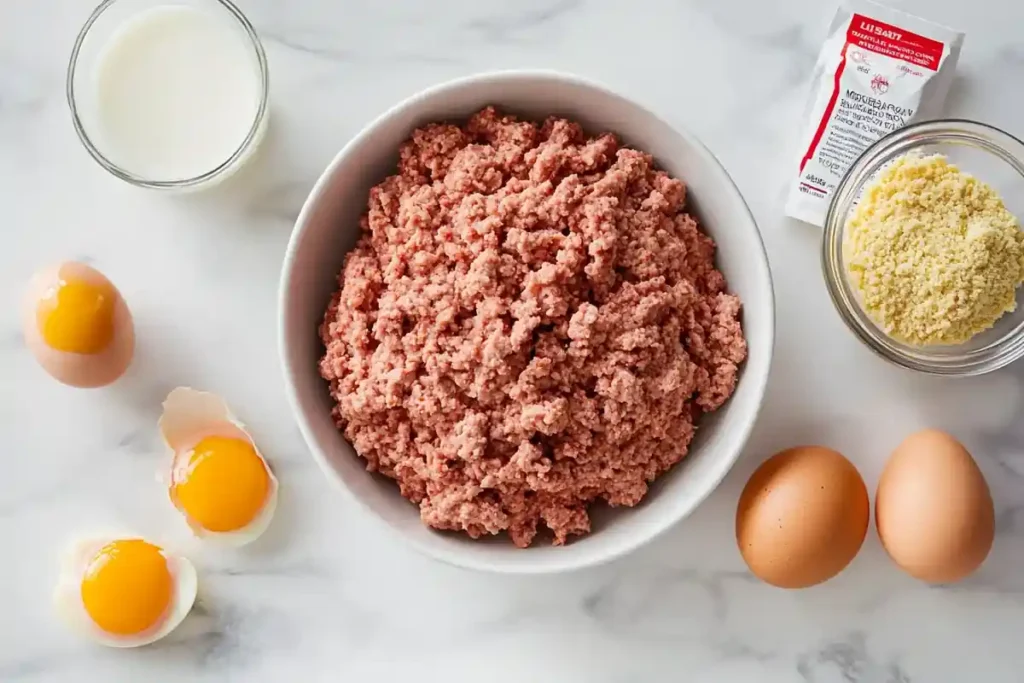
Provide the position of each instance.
(127, 587)
(77, 317)
(224, 486)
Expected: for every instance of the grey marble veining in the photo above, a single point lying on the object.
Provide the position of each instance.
(326, 596)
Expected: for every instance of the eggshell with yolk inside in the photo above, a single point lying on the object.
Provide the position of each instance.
(77, 369)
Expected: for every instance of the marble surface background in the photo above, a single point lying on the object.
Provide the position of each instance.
(325, 596)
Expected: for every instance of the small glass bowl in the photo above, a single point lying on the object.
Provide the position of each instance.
(993, 156)
(107, 18)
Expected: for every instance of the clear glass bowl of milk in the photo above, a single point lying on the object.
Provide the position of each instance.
(168, 94)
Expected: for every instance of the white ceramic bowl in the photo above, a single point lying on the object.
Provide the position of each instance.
(328, 226)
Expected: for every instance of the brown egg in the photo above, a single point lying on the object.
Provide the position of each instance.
(802, 517)
(77, 325)
(933, 508)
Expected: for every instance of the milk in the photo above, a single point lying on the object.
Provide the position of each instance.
(177, 92)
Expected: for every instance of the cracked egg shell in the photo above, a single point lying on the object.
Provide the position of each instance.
(219, 481)
(77, 325)
(124, 591)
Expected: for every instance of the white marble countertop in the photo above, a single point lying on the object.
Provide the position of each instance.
(326, 596)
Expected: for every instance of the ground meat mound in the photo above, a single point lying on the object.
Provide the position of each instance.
(530, 323)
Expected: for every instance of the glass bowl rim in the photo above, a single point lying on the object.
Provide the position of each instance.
(992, 356)
(141, 181)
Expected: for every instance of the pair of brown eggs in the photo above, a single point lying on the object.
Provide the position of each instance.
(804, 513)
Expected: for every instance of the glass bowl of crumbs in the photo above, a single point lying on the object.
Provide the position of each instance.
(923, 252)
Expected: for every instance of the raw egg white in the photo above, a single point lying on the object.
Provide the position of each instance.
(124, 592)
(802, 517)
(219, 481)
(933, 508)
(77, 325)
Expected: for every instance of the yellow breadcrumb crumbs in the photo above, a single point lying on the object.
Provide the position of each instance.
(933, 252)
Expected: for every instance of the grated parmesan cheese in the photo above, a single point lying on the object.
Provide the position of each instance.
(934, 254)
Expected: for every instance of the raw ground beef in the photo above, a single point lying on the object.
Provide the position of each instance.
(529, 323)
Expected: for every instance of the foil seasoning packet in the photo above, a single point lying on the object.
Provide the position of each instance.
(878, 70)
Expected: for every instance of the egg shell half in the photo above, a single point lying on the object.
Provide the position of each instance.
(933, 508)
(85, 371)
(189, 416)
(67, 597)
(802, 517)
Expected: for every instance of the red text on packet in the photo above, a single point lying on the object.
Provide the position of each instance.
(891, 41)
